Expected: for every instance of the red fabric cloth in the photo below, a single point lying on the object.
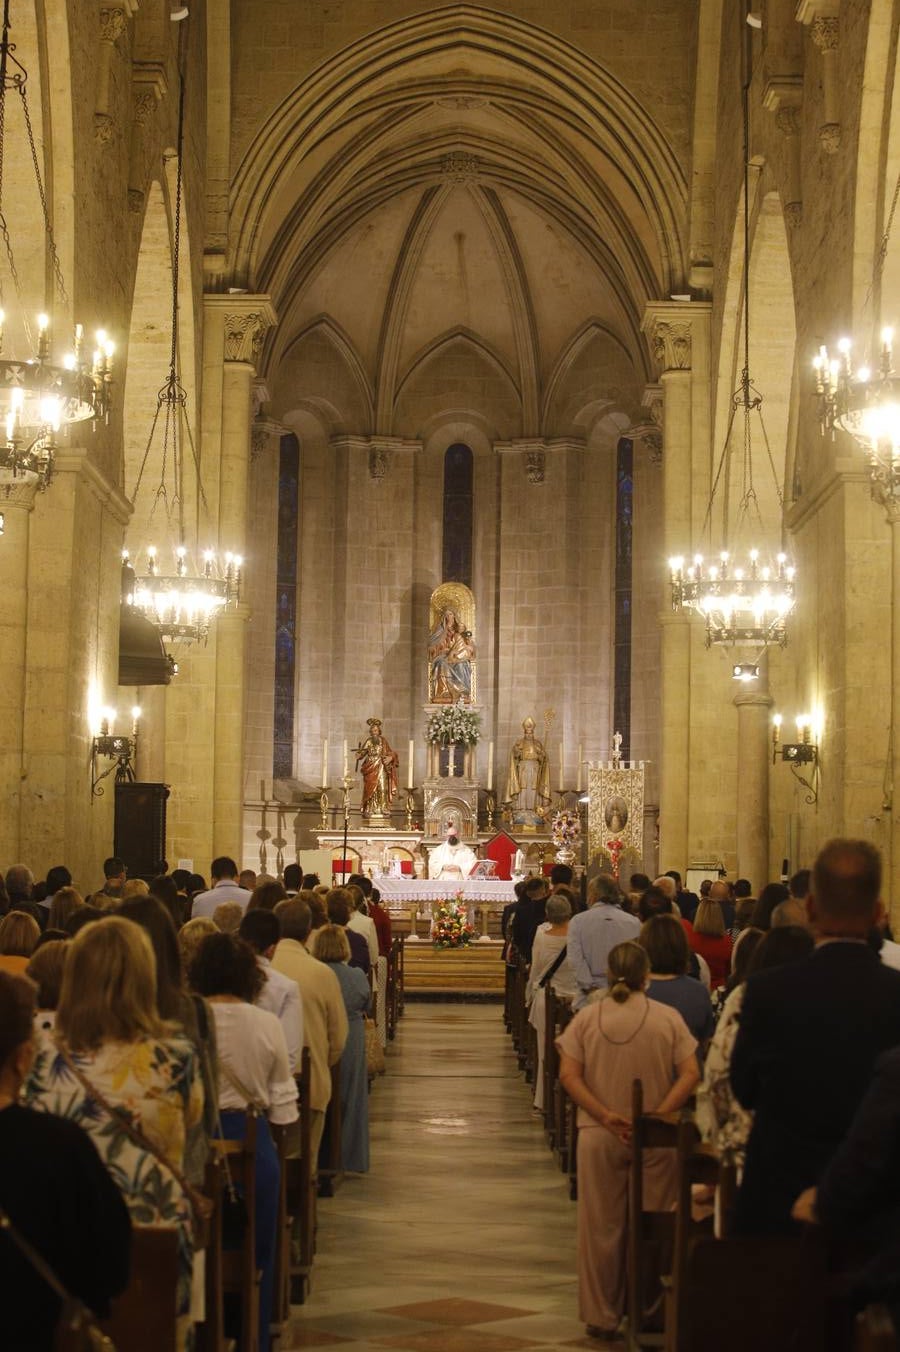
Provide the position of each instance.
(717, 953)
(382, 928)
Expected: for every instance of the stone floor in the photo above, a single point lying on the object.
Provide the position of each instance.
(462, 1237)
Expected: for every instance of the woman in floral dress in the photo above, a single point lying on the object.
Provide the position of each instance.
(109, 1038)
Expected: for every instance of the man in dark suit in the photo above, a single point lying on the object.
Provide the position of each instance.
(809, 1037)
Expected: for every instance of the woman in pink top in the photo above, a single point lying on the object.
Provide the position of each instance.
(708, 938)
(620, 1037)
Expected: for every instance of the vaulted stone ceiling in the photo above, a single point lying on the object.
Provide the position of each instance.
(456, 210)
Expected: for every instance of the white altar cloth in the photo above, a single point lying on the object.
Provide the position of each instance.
(398, 891)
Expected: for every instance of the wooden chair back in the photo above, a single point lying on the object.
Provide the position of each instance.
(210, 1335)
(650, 1233)
(302, 1177)
(240, 1275)
(143, 1317)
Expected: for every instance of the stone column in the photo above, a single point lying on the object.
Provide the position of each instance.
(824, 26)
(244, 321)
(753, 703)
(782, 97)
(16, 502)
(669, 326)
(113, 23)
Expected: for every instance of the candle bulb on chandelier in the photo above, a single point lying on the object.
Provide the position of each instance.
(776, 730)
(135, 719)
(43, 323)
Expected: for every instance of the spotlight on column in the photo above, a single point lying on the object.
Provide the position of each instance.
(745, 671)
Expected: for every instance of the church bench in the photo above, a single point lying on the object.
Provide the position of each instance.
(650, 1233)
(143, 1317)
(330, 1162)
(210, 1335)
(300, 1184)
(281, 1296)
(240, 1275)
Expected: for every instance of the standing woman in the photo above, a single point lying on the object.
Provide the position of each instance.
(619, 1038)
(254, 1076)
(116, 1060)
(333, 948)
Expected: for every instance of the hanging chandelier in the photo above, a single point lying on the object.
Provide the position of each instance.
(743, 592)
(865, 404)
(39, 394)
(182, 598)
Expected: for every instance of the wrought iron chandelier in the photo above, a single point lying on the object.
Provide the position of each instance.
(181, 598)
(38, 394)
(866, 404)
(743, 593)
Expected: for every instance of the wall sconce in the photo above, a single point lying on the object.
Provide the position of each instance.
(118, 749)
(802, 752)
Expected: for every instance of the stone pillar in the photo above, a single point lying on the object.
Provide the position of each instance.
(669, 326)
(244, 321)
(824, 26)
(16, 502)
(753, 703)
(783, 97)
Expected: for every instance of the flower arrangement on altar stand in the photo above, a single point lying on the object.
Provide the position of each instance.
(452, 729)
(450, 926)
(566, 829)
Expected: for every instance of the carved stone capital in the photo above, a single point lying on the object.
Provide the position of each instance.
(143, 104)
(787, 120)
(244, 333)
(17, 493)
(113, 21)
(535, 466)
(671, 345)
(793, 214)
(104, 126)
(830, 137)
(652, 401)
(825, 33)
(378, 462)
(136, 200)
(460, 167)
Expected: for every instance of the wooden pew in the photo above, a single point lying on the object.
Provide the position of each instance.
(210, 1335)
(143, 1318)
(240, 1275)
(330, 1162)
(697, 1165)
(650, 1233)
(301, 1181)
(281, 1300)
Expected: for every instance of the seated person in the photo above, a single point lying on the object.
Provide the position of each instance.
(451, 860)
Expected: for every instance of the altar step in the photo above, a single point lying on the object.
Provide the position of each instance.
(478, 969)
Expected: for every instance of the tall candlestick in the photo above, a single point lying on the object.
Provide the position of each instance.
(324, 780)
(345, 757)
(410, 779)
(580, 763)
(490, 775)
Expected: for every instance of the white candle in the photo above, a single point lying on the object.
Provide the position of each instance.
(561, 780)
(580, 762)
(490, 778)
(410, 779)
(324, 780)
(345, 757)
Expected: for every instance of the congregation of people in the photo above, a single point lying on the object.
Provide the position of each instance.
(140, 1024)
(767, 1025)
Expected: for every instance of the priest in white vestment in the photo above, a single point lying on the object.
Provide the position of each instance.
(451, 861)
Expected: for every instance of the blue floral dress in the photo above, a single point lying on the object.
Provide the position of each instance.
(157, 1085)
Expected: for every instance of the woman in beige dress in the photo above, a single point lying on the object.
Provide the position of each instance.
(621, 1037)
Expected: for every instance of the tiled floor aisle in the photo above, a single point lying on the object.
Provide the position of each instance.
(462, 1237)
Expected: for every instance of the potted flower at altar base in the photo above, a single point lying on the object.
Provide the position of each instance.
(566, 828)
(452, 729)
(450, 926)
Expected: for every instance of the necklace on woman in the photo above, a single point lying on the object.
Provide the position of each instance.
(621, 1042)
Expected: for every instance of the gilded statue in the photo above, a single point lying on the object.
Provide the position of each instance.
(528, 784)
(377, 761)
(451, 646)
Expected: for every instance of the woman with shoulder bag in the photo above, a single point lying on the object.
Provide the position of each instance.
(125, 1076)
(254, 1077)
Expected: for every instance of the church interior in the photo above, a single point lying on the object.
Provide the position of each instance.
(463, 294)
(444, 441)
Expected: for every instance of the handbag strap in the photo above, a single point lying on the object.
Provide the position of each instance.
(197, 1200)
(253, 1105)
(554, 966)
(75, 1308)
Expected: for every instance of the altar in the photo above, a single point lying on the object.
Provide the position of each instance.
(400, 893)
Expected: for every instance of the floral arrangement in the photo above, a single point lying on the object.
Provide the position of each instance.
(453, 724)
(566, 828)
(450, 926)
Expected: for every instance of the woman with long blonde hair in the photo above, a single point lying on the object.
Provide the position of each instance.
(609, 1044)
(119, 1071)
